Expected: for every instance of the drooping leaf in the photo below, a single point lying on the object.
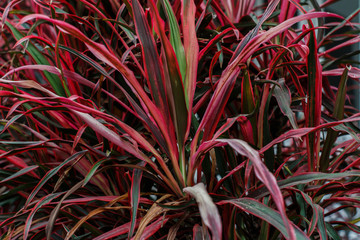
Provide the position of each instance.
(208, 210)
(296, 133)
(304, 179)
(265, 176)
(266, 213)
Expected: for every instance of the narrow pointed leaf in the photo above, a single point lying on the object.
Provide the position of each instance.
(321, 223)
(54, 80)
(283, 97)
(191, 48)
(51, 173)
(221, 94)
(153, 65)
(54, 213)
(134, 197)
(337, 114)
(177, 102)
(296, 133)
(175, 38)
(43, 201)
(313, 108)
(267, 214)
(20, 173)
(269, 10)
(102, 53)
(304, 179)
(265, 176)
(130, 148)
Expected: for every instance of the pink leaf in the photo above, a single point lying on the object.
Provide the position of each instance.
(116, 231)
(191, 48)
(153, 228)
(353, 72)
(264, 175)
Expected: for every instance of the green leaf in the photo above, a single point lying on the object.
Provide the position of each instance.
(247, 94)
(321, 222)
(266, 213)
(173, 82)
(175, 38)
(19, 173)
(135, 196)
(332, 232)
(337, 114)
(152, 63)
(53, 79)
(303, 199)
(93, 171)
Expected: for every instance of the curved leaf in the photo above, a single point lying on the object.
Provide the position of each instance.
(51, 173)
(54, 80)
(208, 210)
(265, 176)
(304, 178)
(267, 214)
(20, 173)
(43, 201)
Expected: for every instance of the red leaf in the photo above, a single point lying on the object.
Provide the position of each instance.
(265, 176)
(191, 48)
(116, 231)
(14, 160)
(153, 228)
(152, 63)
(101, 52)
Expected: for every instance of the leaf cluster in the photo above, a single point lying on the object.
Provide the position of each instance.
(177, 119)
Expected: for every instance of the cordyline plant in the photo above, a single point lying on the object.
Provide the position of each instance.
(177, 120)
